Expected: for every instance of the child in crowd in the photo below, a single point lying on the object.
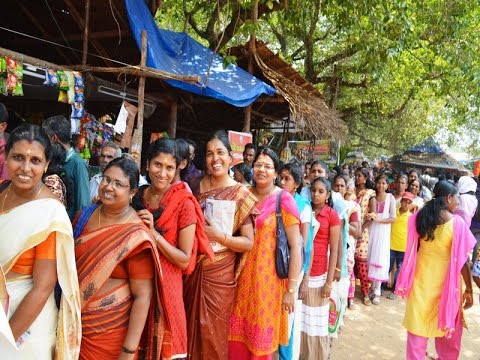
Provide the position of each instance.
(398, 237)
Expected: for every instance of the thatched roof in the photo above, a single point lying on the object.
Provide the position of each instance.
(308, 109)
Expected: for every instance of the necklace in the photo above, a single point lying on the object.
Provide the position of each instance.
(265, 196)
(122, 213)
(152, 193)
(8, 192)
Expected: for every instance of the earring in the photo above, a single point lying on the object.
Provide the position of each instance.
(46, 170)
(131, 199)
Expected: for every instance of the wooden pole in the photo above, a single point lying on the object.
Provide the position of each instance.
(141, 92)
(247, 118)
(172, 119)
(85, 32)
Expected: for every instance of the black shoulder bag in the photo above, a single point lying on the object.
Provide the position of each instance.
(282, 251)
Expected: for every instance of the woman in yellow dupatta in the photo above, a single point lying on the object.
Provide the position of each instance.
(209, 291)
(36, 250)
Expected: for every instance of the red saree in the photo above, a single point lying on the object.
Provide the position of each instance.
(209, 291)
(105, 317)
(179, 210)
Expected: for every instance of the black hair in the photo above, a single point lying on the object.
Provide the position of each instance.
(414, 171)
(402, 175)
(263, 150)
(250, 146)
(3, 113)
(56, 167)
(183, 151)
(322, 164)
(381, 177)
(129, 168)
(163, 146)
(30, 133)
(221, 135)
(245, 170)
(429, 217)
(297, 173)
(328, 187)
(60, 126)
(419, 185)
(193, 143)
(369, 184)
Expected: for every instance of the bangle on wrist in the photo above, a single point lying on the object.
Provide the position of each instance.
(337, 269)
(225, 239)
(328, 285)
(295, 280)
(128, 351)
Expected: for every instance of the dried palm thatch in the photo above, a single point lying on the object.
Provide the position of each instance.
(308, 110)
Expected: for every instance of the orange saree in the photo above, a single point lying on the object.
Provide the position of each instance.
(105, 317)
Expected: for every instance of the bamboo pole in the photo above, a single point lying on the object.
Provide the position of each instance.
(85, 32)
(141, 93)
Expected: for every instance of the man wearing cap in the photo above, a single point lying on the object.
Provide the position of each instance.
(398, 236)
(3, 141)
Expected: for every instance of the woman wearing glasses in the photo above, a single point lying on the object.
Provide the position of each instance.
(176, 222)
(259, 321)
(119, 274)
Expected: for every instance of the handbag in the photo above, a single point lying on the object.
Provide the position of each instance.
(282, 251)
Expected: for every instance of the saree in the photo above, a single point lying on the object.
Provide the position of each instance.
(257, 320)
(54, 333)
(363, 199)
(105, 317)
(179, 209)
(451, 296)
(209, 291)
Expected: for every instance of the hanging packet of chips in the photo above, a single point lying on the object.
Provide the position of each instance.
(18, 91)
(62, 80)
(78, 107)
(3, 65)
(63, 96)
(51, 78)
(3, 86)
(71, 87)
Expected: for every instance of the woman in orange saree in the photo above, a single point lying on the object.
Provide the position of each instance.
(259, 320)
(176, 222)
(209, 291)
(120, 275)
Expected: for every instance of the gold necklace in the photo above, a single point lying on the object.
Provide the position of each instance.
(123, 222)
(152, 193)
(266, 196)
(8, 192)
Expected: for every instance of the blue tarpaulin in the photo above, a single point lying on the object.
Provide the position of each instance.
(179, 54)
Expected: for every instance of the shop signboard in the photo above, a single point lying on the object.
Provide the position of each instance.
(238, 140)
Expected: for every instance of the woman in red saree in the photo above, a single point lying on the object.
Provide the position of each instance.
(175, 220)
(259, 320)
(120, 275)
(210, 289)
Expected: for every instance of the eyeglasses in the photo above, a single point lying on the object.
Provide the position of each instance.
(115, 183)
(267, 167)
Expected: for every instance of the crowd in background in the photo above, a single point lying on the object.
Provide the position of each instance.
(184, 263)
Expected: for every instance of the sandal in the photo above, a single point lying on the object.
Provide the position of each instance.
(391, 296)
(367, 301)
(351, 304)
(376, 300)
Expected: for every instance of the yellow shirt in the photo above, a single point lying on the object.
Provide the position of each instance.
(398, 234)
(421, 314)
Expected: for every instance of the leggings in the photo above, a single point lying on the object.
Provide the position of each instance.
(362, 274)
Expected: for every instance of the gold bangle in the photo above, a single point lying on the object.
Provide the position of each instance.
(225, 239)
(337, 269)
(328, 285)
(293, 280)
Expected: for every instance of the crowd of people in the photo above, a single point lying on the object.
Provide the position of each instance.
(182, 263)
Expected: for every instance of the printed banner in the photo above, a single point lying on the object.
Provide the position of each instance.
(306, 150)
(238, 140)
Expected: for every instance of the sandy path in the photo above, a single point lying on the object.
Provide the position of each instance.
(376, 332)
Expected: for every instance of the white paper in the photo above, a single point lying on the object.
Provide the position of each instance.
(121, 123)
(221, 215)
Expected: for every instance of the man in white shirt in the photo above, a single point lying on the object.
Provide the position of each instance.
(108, 152)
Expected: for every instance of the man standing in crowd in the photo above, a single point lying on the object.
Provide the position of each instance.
(108, 152)
(58, 129)
(249, 154)
(3, 140)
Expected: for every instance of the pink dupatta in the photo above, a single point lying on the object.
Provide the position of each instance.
(267, 208)
(463, 242)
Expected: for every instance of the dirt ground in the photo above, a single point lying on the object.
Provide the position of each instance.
(376, 332)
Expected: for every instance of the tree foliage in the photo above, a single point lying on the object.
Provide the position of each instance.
(397, 70)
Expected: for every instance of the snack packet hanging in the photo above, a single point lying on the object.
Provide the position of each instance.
(71, 87)
(51, 78)
(62, 80)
